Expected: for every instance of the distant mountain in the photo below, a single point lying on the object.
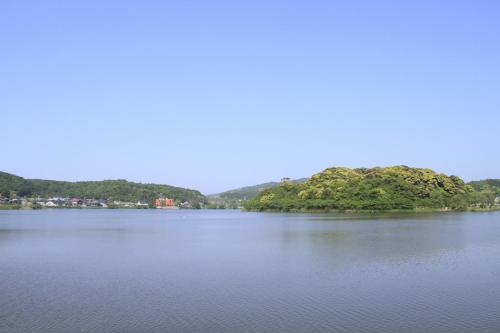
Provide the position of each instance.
(120, 189)
(234, 198)
(249, 192)
(389, 188)
(486, 184)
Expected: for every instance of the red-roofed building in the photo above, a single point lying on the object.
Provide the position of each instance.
(164, 202)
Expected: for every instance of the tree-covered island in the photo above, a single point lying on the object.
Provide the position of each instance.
(374, 189)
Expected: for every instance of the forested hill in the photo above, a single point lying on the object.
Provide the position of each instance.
(236, 197)
(107, 189)
(249, 192)
(397, 187)
(487, 184)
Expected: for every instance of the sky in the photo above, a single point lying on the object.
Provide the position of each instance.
(214, 95)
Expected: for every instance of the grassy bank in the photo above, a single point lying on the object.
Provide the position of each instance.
(372, 211)
(10, 207)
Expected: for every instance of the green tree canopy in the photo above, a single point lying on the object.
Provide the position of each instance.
(396, 187)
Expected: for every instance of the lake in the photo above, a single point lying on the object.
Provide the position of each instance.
(231, 271)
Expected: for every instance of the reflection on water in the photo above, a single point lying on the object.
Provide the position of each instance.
(229, 271)
(387, 238)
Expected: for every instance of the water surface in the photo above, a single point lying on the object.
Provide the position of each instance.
(230, 271)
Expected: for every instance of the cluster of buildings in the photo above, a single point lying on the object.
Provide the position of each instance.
(57, 202)
(15, 201)
(71, 202)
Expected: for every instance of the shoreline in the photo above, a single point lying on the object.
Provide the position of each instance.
(366, 211)
(14, 207)
(293, 211)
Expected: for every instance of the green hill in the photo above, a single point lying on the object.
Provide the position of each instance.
(234, 198)
(250, 192)
(389, 188)
(122, 190)
(487, 184)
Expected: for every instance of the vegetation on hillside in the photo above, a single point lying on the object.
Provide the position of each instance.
(390, 188)
(236, 197)
(121, 190)
(486, 185)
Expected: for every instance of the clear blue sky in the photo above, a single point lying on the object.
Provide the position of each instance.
(218, 94)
